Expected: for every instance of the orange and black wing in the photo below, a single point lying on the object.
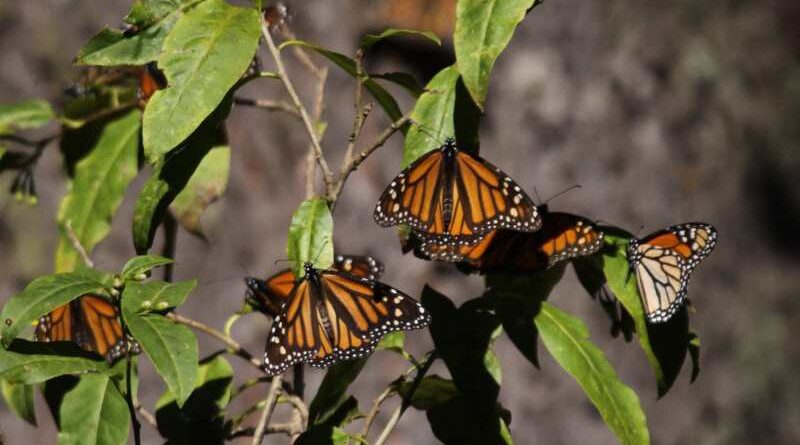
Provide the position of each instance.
(90, 321)
(452, 197)
(359, 313)
(294, 336)
(359, 266)
(267, 296)
(563, 236)
(663, 262)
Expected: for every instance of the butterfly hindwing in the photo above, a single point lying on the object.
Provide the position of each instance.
(293, 337)
(663, 262)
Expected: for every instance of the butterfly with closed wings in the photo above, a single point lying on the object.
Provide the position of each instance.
(92, 322)
(266, 296)
(331, 316)
(663, 262)
(563, 236)
(450, 197)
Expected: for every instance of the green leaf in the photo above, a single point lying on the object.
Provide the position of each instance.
(204, 187)
(26, 362)
(97, 189)
(171, 175)
(380, 94)
(171, 347)
(370, 39)
(19, 398)
(567, 339)
(395, 342)
(24, 115)
(201, 419)
(457, 421)
(432, 391)
(207, 51)
(623, 285)
(44, 294)
(444, 110)
(94, 412)
(405, 80)
(324, 432)
(332, 392)
(142, 265)
(483, 30)
(311, 236)
(155, 295)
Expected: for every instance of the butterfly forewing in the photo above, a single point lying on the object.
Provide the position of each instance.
(451, 194)
(293, 337)
(90, 321)
(663, 262)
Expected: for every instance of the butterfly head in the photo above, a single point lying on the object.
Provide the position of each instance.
(449, 147)
(309, 269)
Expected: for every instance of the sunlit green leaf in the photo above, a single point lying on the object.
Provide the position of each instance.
(203, 56)
(311, 236)
(94, 413)
(204, 187)
(155, 295)
(567, 339)
(201, 419)
(154, 20)
(483, 30)
(44, 294)
(26, 362)
(370, 39)
(171, 347)
(24, 115)
(97, 189)
(380, 94)
(170, 176)
(141, 265)
(19, 398)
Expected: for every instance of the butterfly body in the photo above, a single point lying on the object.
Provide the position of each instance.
(331, 315)
(92, 322)
(663, 262)
(451, 197)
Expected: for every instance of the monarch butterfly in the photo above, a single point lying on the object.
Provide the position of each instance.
(92, 322)
(331, 316)
(151, 79)
(563, 236)
(663, 262)
(452, 197)
(268, 295)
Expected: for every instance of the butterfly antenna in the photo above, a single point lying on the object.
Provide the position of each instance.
(321, 249)
(428, 132)
(536, 192)
(568, 189)
(283, 260)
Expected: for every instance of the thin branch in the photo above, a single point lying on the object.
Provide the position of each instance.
(268, 104)
(232, 344)
(319, 107)
(76, 244)
(327, 175)
(147, 416)
(269, 407)
(137, 427)
(299, 408)
(376, 408)
(361, 111)
(406, 400)
(353, 163)
(290, 429)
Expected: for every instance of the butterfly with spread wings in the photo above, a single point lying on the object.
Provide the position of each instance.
(266, 296)
(563, 236)
(450, 197)
(331, 316)
(92, 322)
(663, 262)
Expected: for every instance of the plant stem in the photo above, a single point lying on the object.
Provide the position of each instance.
(298, 380)
(147, 416)
(137, 427)
(170, 242)
(327, 175)
(232, 344)
(376, 408)
(268, 104)
(76, 244)
(269, 405)
(406, 400)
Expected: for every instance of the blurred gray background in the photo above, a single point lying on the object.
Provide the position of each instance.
(664, 112)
